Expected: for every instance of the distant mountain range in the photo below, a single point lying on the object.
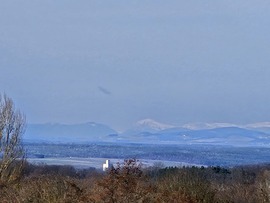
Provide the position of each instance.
(151, 131)
(68, 133)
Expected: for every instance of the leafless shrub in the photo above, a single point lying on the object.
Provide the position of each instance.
(124, 183)
(49, 188)
(185, 185)
(263, 186)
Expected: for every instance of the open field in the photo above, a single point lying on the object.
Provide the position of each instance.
(94, 154)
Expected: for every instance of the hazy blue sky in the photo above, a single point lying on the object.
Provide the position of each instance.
(119, 61)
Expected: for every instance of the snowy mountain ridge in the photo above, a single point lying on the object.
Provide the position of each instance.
(202, 126)
(150, 123)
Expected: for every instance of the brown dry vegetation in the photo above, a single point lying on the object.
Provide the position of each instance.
(128, 182)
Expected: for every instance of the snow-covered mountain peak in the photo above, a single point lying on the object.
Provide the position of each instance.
(150, 123)
(258, 125)
(200, 126)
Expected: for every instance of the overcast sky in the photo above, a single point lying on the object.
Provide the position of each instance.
(119, 61)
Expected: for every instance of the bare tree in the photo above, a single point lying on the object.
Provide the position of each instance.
(12, 154)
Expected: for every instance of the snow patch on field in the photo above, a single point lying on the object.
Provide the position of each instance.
(84, 163)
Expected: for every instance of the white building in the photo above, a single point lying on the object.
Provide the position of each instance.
(107, 165)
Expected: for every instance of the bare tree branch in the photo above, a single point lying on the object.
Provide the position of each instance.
(12, 154)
